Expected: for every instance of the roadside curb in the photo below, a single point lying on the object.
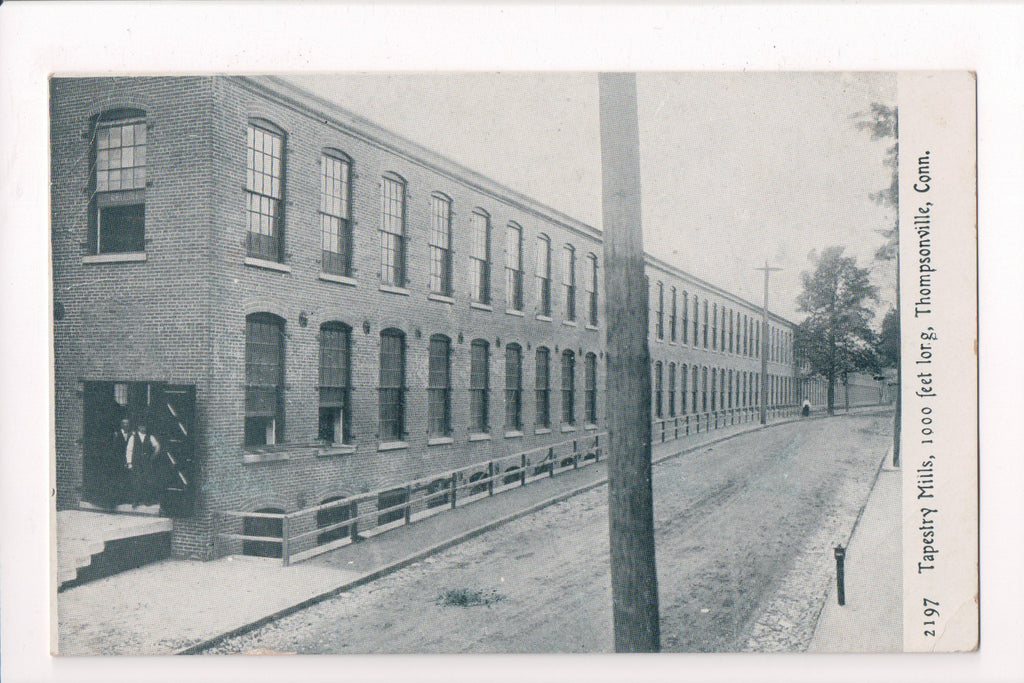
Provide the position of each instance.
(856, 522)
(392, 567)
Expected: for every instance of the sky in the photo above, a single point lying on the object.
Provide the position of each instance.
(737, 168)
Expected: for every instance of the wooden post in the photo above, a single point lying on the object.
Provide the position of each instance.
(764, 343)
(630, 504)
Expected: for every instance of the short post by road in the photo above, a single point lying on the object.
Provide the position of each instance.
(840, 553)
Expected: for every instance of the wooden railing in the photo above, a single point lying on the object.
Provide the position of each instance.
(679, 426)
(311, 531)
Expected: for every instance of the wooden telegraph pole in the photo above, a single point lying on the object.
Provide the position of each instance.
(630, 504)
(764, 343)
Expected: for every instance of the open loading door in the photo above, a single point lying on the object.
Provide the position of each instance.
(172, 409)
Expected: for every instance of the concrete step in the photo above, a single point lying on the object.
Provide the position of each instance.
(92, 544)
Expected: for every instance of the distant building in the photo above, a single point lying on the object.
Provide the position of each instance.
(304, 306)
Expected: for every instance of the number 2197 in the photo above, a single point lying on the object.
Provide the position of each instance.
(930, 613)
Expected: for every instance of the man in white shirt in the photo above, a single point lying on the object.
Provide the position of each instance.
(140, 455)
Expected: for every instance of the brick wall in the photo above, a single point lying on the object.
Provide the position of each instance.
(180, 315)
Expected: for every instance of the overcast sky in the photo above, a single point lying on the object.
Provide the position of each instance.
(737, 168)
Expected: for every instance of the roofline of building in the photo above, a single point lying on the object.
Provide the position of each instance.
(372, 133)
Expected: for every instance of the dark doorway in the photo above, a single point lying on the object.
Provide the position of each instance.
(168, 411)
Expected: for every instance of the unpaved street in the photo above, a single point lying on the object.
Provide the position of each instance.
(744, 535)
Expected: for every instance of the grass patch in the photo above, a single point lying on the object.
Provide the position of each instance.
(468, 597)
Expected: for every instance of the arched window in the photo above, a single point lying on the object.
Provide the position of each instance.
(721, 344)
(660, 318)
(704, 389)
(264, 379)
(543, 387)
(683, 387)
(335, 212)
(696, 320)
(335, 354)
(514, 266)
(480, 257)
(331, 516)
(590, 387)
(569, 280)
(657, 389)
(479, 385)
(544, 275)
(732, 330)
(671, 389)
(705, 327)
(440, 244)
(592, 288)
(513, 387)
(264, 190)
(714, 326)
(117, 218)
(686, 317)
(439, 386)
(568, 387)
(392, 230)
(392, 385)
(714, 388)
(672, 316)
(694, 405)
(268, 527)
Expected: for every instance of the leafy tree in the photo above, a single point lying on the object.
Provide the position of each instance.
(836, 337)
(882, 122)
(888, 346)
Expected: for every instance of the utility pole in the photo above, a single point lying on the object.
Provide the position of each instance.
(630, 501)
(764, 341)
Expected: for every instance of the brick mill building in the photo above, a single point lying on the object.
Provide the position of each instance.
(306, 307)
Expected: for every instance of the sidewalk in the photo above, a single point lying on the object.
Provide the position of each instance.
(872, 619)
(182, 606)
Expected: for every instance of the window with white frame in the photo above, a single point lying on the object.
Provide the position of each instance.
(569, 280)
(392, 230)
(264, 186)
(440, 244)
(514, 266)
(544, 275)
(480, 257)
(334, 420)
(118, 216)
(335, 213)
(439, 386)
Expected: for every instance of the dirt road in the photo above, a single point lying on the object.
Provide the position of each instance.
(744, 532)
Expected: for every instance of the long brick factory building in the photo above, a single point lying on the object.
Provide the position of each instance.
(305, 307)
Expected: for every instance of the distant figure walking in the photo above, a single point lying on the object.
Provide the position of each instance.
(805, 409)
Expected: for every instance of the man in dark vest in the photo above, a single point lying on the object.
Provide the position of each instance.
(116, 468)
(140, 457)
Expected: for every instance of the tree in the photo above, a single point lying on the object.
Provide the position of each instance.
(882, 121)
(836, 337)
(887, 347)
